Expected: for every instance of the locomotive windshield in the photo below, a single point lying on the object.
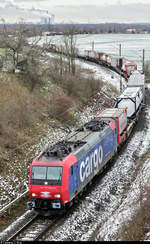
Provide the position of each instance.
(46, 175)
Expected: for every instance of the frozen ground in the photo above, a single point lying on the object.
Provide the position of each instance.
(111, 202)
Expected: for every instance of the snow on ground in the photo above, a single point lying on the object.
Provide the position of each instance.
(103, 73)
(129, 206)
(117, 206)
(108, 206)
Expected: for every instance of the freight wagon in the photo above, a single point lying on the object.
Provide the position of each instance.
(131, 98)
(137, 79)
(119, 118)
(128, 67)
(120, 64)
(91, 55)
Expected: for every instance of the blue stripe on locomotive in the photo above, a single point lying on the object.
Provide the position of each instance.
(88, 165)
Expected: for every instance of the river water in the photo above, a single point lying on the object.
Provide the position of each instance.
(131, 45)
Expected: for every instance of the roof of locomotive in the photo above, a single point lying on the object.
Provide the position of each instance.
(88, 134)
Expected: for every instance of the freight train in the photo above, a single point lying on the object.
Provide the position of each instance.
(121, 65)
(59, 175)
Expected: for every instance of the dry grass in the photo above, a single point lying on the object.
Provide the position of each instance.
(81, 89)
(61, 108)
(71, 90)
(19, 109)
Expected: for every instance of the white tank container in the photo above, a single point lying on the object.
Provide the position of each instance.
(131, 98)
(136, 79)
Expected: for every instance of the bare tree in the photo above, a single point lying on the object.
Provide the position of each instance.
(24, 53)
(13, 43)
(69, 41)
(64, 63)
(31, 68)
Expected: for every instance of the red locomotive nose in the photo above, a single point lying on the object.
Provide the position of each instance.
(45, 180)
(48, 184)
(49, 192)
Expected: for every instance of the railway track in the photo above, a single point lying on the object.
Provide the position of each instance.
(33, 229)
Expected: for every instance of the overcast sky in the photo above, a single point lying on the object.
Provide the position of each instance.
(80, 11)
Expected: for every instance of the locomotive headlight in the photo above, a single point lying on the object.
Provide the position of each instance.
(34, 194)
(57, 195)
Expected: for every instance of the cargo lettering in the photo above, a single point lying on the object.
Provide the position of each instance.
(91, 163)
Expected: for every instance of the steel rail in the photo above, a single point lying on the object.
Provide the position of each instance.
(46, 229)
(41, 228)
(14, 235)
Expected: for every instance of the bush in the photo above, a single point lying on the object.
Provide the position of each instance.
(61, 108)
(18, 110)
(80, 88)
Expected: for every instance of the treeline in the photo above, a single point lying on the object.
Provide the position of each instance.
(80, 28)
(100, 28)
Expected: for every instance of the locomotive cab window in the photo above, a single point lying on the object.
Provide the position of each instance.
(50, 174)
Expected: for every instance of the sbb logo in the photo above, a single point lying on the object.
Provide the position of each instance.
(91, 163)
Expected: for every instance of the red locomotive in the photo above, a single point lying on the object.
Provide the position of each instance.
(60, 174)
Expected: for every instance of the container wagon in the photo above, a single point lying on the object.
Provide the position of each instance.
(132, 98)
